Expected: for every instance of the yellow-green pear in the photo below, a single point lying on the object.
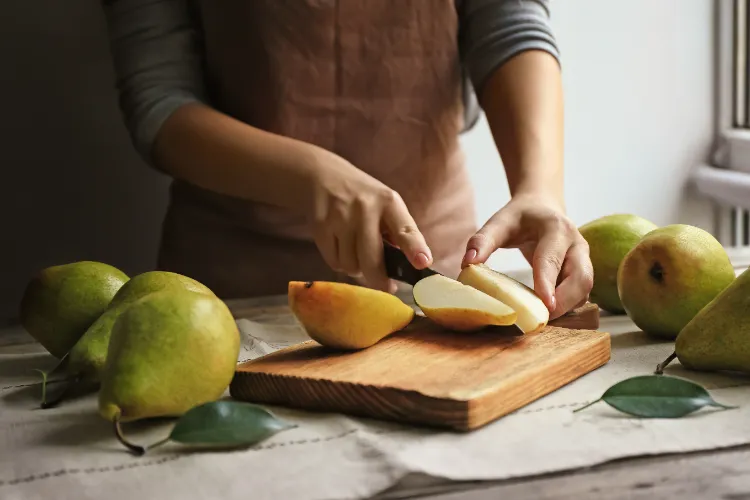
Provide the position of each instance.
(60, 302)
(86, 358)
(168, 352)
(670, 275)
(610, 238)
(718, 337)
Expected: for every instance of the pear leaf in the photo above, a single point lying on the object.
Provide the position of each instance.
(657, 396)
(226, 424)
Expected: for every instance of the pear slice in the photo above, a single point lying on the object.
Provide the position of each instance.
(344, 316)
(533, 315)
(459, 307)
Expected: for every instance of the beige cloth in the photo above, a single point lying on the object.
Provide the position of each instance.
(69, 452)
(376, 83)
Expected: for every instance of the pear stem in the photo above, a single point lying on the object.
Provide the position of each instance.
(134, 448)
(660, 367)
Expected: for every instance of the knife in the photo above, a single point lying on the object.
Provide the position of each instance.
(398, 267)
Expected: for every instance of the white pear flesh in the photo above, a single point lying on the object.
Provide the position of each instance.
(533, 315)
(458, 307)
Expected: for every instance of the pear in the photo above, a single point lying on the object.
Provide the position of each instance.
(345, 316)
(459, 307)
(670, 275)
(610, 238)
(531, 313)
(60, 302)
(168, 352)
(718, 337)
(86, 358)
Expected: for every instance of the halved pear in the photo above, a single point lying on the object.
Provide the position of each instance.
(459, 307)
(345, 316)
(532, 314)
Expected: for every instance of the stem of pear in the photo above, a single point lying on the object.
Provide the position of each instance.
(660, 367)
(136, 449)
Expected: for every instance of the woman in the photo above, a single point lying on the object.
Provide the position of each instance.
(299, 133)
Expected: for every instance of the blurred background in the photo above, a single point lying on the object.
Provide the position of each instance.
(641, 111)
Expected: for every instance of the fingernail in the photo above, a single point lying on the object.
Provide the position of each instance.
(552, 303)
(470, 255)
(422, 259)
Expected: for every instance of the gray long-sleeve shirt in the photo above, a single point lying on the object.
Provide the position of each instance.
(157, 56)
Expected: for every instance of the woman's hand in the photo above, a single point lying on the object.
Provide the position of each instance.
(351, 213)
(550, 242)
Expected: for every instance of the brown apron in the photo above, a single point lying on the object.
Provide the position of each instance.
(377, 82)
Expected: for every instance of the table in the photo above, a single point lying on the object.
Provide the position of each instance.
(724, 473)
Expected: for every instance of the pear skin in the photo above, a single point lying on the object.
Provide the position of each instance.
(458, 307)
(532, 314)
(168, 352)
(154, 281)
(670, 275)
(610, 238)
(718, 337)
(60, 302)
(345, 316)
(86, 358)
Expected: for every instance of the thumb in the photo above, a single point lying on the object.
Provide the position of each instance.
(493, 235)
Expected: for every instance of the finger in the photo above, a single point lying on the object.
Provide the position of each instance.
(578, 278)
(347, 251)
(495, 233)
(327, 244)
(369, 247)
(391, 288)
(403, 232)
(548, 260)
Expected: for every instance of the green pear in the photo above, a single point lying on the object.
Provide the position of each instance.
(86, 358)
(168, 352)
(610, 238)
(60, 302)
(670, 275)
(718, 337)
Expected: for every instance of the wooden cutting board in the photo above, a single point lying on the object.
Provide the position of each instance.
(425, 375)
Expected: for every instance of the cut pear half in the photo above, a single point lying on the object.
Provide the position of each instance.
(532, 314)
(459, 307)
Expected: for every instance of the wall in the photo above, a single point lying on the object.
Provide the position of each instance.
(638, 82)
(72, 185)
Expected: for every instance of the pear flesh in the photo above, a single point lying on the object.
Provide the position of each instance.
(459, 307)
(718, 337)
(532, 314)
(168, 352)
(60, 302)
(345, 316)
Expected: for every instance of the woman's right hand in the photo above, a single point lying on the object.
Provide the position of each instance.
(351, 214)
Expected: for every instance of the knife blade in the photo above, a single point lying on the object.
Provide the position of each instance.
(398, 267)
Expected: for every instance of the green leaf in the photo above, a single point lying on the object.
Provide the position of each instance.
(657, 396)
(227, 424)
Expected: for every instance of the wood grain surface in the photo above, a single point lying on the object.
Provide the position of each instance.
(427, 375)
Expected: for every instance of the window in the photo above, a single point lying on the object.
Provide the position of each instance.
(726, 179)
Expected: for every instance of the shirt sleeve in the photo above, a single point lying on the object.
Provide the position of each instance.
(157, 59)
(493, 31)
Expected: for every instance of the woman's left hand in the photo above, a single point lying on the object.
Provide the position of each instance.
(550, 242)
